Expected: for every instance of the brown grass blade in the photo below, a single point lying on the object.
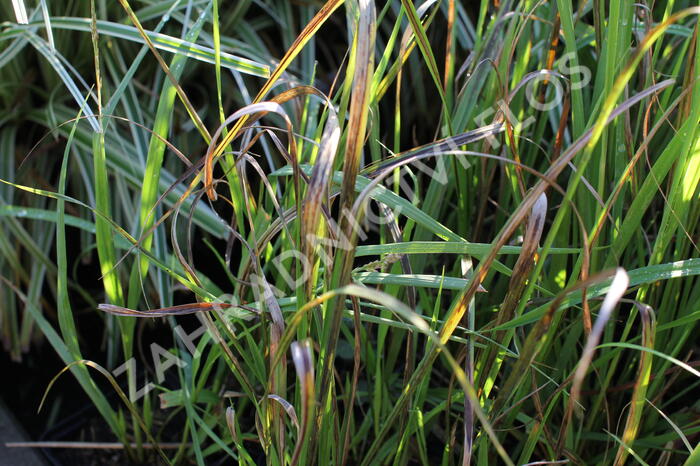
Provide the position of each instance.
(641, 383)
(305, 35)
(302, 358)
(518, 280)
(319, 185)
(363, 54)
(181, 310)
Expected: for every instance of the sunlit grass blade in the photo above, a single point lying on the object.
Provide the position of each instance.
(20, 11)
(103, 231)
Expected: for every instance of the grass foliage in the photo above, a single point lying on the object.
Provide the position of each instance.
(437, 233)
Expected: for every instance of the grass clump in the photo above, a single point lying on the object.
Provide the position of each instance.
(359, 232)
